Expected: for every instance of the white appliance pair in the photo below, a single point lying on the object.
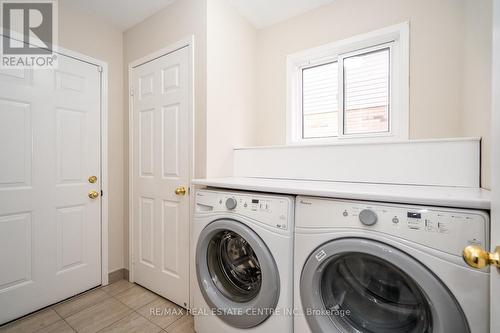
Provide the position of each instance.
(356, 266)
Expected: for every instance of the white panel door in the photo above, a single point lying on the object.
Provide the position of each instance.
(49, 146)
(161, 164)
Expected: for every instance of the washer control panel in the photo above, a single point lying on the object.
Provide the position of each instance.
(446, 229)
(273, 211)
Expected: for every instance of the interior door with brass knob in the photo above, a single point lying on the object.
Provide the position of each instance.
(50, 229)
(161, 173)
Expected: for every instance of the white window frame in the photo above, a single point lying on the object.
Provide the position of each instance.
(396, 38)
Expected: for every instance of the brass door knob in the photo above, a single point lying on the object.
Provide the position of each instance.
(92, 179)
(476, 257)
(93, 195)
(181, 190)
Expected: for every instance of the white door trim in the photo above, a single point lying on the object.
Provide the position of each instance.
(185, 42)
(103, 68)
(495, 169)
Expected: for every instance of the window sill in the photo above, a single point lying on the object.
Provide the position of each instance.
(326, 143)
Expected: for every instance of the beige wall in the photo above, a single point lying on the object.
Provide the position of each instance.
(180, 20)
(476, 118)
(84, 33)
(449, 62)
(231, 65)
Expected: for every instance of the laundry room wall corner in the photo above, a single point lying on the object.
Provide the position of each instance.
(231, 99)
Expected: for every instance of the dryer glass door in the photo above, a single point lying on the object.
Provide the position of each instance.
(361, 285)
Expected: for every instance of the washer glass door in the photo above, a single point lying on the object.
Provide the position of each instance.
(237, 274)
(234, 266)
(361, 285)
(373, 295)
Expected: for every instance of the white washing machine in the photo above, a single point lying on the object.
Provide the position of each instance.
(376, 267)
(244, 265)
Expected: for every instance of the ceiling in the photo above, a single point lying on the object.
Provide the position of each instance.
(262, 13)
(123, 14)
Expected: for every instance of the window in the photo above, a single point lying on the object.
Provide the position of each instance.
(352, 89)
(319, 101)
(366, 92)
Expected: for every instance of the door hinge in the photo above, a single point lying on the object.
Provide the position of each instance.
(131, 91)
(100, 69)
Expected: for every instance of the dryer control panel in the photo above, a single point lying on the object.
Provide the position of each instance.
(446, 229)
(274, 211)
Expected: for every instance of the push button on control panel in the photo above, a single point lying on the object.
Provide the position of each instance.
(443, 227)
(430, 225)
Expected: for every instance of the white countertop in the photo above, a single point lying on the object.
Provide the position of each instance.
(459, 197)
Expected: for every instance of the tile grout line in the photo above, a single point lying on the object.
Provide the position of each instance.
(74, 312)
(74, 329)
(133, 310)
(44, 327)
(128, 307)
(116, 299)
(113, 322)
(53, 307)
(127, 314)
(64, 319)
(175, 321)
(163, 329)
(109, 297)
(113, 297)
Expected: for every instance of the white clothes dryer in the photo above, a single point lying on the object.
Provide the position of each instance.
(381, 268)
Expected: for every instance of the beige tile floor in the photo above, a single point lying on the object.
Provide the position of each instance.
(119, 307)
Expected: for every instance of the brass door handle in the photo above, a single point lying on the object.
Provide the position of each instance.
(92, 179)
(181, 190)
(93, 194)
(476, 257)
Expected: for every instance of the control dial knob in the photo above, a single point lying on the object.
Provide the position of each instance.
(231, 203)
(368, 217)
